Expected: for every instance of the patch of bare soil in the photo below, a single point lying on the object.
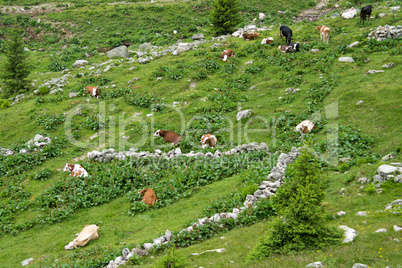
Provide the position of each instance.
(314, 13)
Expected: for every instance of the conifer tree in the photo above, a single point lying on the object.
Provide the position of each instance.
(301, 224)
(225, 15)
(15, 68)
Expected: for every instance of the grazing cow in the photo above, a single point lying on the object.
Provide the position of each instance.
(324, 33)
(267, 41)
(250, 36)
(90, 232)
(295, 46)
(286, 32)
(227, 54)
(365, 11)
(149, 196)
(168, 136)
(208, 140)
(93, 91)
(304, 127)
(76, 170)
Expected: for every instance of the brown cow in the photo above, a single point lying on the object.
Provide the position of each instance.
(250, 36)
(168, 136)
(149, 196)
(93, 91)
(227, 54)
(324, 33)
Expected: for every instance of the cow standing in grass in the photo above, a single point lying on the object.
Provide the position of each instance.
(93, 91)
(364, 12)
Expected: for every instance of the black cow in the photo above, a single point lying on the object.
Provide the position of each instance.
(365, 11)
(286, 32)
(295, 46)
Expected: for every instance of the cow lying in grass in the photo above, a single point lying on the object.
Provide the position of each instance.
(93, 91)
(208, 140)
(305, 127)
(149, 196)
(90, 232)
(228, 53)
(76, 170)
(250, 36)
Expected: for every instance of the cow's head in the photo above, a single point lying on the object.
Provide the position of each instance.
(318, 27)
(158, 133)
(68, 167)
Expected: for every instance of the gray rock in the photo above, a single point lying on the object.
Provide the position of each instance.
(359, 265)
(334, 15)
(139, 252)
(353, 44)
(168, 235)
(144, 46)
(395, 9)
(350, 233)
(148, 246)
(198, 37)
(362, 180)
(346, 59)
(378, 178)
(397, 228)
(121, 52)
(317, 264)
(125, 253)
(72, 94)
(341, 213)
(79, 63)
(374, 71)
(243, 114)
(261, 16)
(397, 202)
(27, 261)
(385, 170)
(382, 15)
(382, 230)
(119, 260)
(361, 213)
(398, 178)
(182, 47)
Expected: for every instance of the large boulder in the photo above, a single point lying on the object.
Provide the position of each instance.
(118, 52)
(346, 59)
(182, 47)
(385, 170)
(79, 63)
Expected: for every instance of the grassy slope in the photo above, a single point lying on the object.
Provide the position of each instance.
(378, 116)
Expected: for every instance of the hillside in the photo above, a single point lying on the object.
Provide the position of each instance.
(357, 116)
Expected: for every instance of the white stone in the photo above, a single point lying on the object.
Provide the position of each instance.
(261, 16)
(27, 261)
(349, 13)
(359, 265)
(397, 228)
(361, 213)
(316, 264)
(346, 59)
(382, 230)
(341, 213)
(78, 63)
(353, 44)
(243, 114)
(385, 170)
(350, 233)
(148, 246)
(395, 9)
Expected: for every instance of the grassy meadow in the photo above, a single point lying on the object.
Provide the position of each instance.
(194, 93)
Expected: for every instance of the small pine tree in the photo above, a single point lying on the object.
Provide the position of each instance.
(301, 225)
(225, 15)
(15, 68)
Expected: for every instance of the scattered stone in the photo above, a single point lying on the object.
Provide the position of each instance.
(363, 180)
(79, 63)
(346, 59)
(341, 213)
(334, 15)
(261, 16)
(121, 52)
(27, 261)
(314, 51)
(243, 114)
(353, 44)
(374, 72)
(350, 233)
(317, 264)
(382, 230)
(359, 102)
(395, 9)
(72, 94)
(386, 32)
(198, 37)
(387, 157)
(397, 228)
(359, 265)
(385, 170)
(361, 213)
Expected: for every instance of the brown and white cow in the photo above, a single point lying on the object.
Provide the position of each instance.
(208, 140)
(168, 136)
(148, 196)
(227, 54)
(267, 41)
(324, 33)
(250, 36)
(93, 91)
(76, 170)
(305, 127)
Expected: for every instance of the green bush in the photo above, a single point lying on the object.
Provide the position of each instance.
(4, 104)
(301, 225)
(44, 90)
(370, 189)
(173, 259)
(248, 190)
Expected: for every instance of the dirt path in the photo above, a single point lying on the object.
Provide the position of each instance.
(314, 13)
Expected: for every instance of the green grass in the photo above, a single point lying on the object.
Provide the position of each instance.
(225, 86)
